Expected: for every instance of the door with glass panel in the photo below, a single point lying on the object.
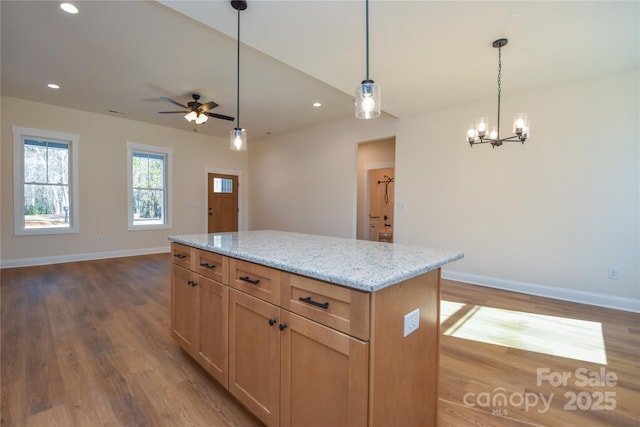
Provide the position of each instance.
(222, 203)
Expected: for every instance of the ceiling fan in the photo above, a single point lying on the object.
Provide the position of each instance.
(195, 111)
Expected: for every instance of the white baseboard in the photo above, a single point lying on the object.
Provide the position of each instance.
(28, 262)
(590, 298)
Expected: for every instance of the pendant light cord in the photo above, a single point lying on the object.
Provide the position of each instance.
(238, 75)
(499, 87)
(367, 36)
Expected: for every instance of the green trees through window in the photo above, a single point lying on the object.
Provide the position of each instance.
(149, 186)
(46, 184)
(148, 178)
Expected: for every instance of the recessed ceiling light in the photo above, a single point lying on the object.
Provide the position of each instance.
(53, 86)
(317, 104)
(69, 8)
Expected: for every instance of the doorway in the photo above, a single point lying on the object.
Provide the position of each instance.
(222, 203)
(375, 160)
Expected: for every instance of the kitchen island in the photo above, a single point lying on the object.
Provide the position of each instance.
(313, 330)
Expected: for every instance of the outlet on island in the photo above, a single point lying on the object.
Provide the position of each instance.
(411, 321)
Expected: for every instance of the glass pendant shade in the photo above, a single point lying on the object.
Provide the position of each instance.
(368, 100)
(238, 139)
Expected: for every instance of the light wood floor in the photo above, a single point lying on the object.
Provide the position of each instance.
(88, 344)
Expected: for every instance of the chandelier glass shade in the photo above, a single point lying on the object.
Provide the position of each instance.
(480, 134)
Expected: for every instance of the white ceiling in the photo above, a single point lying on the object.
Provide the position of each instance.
(125, 55)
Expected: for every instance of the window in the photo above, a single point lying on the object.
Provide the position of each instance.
(148, 180)
(222, 185)
(45, 171)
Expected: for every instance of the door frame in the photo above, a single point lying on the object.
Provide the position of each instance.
(238, 173)
(365, 214)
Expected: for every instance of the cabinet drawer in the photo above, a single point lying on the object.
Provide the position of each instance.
(182, 255)
(344, 309)
(257, 280)
(212, 265)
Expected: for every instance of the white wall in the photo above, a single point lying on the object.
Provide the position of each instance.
(547, 217)
(103, 183)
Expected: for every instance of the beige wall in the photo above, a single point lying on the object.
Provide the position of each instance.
(305, 181)
(546, 217)
(103, 182)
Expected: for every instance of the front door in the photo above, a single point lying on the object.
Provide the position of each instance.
(222, 203)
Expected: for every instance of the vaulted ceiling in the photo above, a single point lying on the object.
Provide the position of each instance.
(119, 57)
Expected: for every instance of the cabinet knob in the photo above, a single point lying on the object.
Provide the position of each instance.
(282, 326)
(272, 322)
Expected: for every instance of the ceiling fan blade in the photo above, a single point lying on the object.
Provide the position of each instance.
(220, 116)
(208, 106)
(171, 112)
(173, 102)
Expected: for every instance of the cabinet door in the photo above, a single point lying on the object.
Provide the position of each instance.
(254, 355)
(213, 332)
(184, 313)
(324, 376)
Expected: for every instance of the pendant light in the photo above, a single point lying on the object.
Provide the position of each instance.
(521, 125)
(368, 93)
(238, 135)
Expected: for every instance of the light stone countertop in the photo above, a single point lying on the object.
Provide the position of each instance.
(359, 264)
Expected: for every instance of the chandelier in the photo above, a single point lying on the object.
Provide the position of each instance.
(521, 125)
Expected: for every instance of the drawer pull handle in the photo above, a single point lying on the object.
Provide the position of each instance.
(246, 279)
(308, 300)
(181, 256)
(207, 265)
(272, 322)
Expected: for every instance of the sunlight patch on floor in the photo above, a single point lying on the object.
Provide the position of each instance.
(552, 335)
(448, 309)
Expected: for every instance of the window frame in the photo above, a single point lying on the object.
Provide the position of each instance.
(21, 133)
(167, 153)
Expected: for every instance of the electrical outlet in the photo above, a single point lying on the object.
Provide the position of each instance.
(99, 239)
(411, 321)
(614, 273)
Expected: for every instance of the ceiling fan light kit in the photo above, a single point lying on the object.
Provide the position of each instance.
(238, 137)
(521, 126)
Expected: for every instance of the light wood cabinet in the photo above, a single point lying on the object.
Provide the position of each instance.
(297, 351)
(324, 380)
(213, 328)
(200, 308)
(254, 355)
(184, 313)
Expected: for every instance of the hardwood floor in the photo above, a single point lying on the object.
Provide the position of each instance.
(88, 344)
